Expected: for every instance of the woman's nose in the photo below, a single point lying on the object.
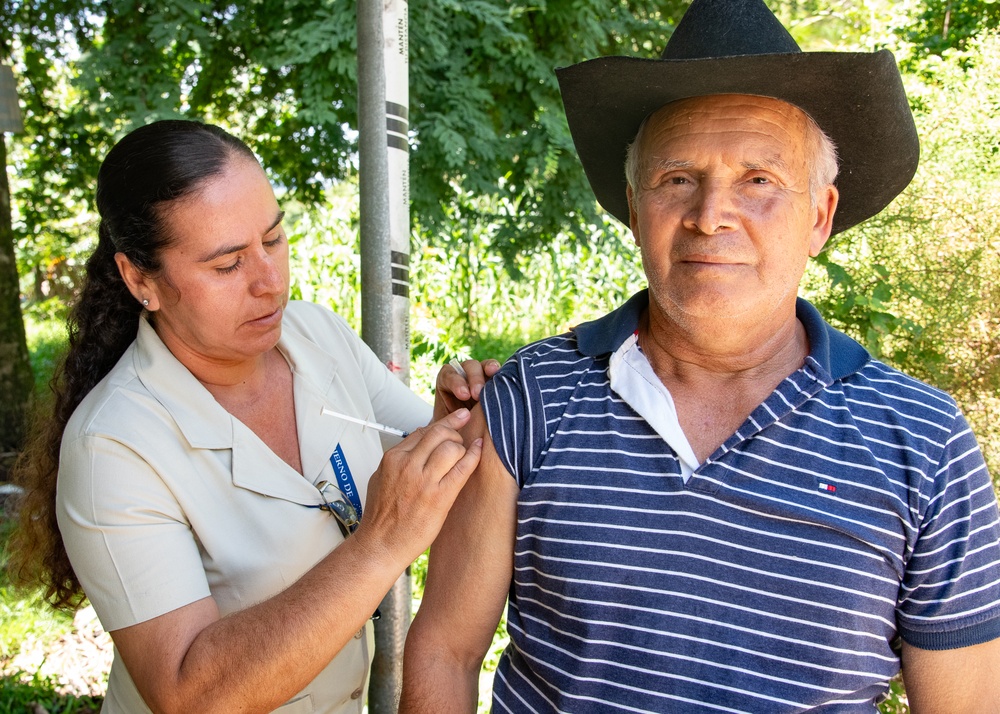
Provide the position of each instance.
(269, 278)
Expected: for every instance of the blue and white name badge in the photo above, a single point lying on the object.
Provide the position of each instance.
(345, 481)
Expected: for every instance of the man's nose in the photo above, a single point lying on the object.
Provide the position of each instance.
(711, 209)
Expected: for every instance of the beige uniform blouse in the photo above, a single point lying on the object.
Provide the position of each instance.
(165, 498)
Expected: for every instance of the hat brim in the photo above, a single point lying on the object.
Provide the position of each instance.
(856, 98)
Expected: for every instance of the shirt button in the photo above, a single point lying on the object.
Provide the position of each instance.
(360, 634)
(356, 694)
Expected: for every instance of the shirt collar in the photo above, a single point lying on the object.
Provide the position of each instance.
(203, 421)
(834, 351)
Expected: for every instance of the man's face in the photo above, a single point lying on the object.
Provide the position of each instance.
(722, 213)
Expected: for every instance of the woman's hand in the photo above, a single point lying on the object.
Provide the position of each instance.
(416, 484)
(460, 387)
(191, 659)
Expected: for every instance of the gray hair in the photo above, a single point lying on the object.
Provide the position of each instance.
(823, 158)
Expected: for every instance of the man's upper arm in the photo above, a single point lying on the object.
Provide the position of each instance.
(957, 681)
(471, 561)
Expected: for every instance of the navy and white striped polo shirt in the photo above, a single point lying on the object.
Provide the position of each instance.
(852, 507)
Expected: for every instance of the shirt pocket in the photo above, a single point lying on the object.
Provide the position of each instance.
(302, 705)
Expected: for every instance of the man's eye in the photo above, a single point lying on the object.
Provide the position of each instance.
(677, 180)
(760, 179)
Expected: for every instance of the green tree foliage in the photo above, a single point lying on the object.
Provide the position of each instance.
(913, 29)
(919, 284)
(56, 158)
(941, 25)
(486, 117)
(491, 151)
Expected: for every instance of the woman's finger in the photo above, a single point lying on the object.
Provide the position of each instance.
(441, 459)
(459, 473)
(426, 438)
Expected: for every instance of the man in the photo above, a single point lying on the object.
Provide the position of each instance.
(709, 499)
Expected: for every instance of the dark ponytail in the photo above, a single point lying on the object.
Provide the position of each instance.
(144, 172)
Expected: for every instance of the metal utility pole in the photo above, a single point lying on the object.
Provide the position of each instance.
(384, 171)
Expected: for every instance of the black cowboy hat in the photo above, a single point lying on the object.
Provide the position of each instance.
(740, 47)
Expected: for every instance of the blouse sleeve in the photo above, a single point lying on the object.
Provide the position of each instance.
(393, 402)
(125, 533)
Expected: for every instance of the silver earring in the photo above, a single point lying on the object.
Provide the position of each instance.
(145, 303)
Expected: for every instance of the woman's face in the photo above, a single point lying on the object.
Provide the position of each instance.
(224, 285)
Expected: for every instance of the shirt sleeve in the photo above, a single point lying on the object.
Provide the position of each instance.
(125, 533)
(515, 417)
(950, 595)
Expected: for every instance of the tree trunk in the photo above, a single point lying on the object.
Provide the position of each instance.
(16, 380)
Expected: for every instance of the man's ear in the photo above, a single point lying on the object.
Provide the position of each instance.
(137, 283)
(633, 215)
(826, 206)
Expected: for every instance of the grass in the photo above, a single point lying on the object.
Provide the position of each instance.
(23, 693)
(27, 618)
(46, 335)
(24, 617)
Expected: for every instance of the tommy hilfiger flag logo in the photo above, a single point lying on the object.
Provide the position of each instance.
(828, 487)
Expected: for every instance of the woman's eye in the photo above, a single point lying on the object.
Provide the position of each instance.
(231, 268)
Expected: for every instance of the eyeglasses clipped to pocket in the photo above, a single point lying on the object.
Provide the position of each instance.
(339, 505)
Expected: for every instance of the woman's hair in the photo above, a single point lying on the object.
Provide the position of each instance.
(141, 175)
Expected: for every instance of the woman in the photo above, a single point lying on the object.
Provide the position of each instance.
(197, 492)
